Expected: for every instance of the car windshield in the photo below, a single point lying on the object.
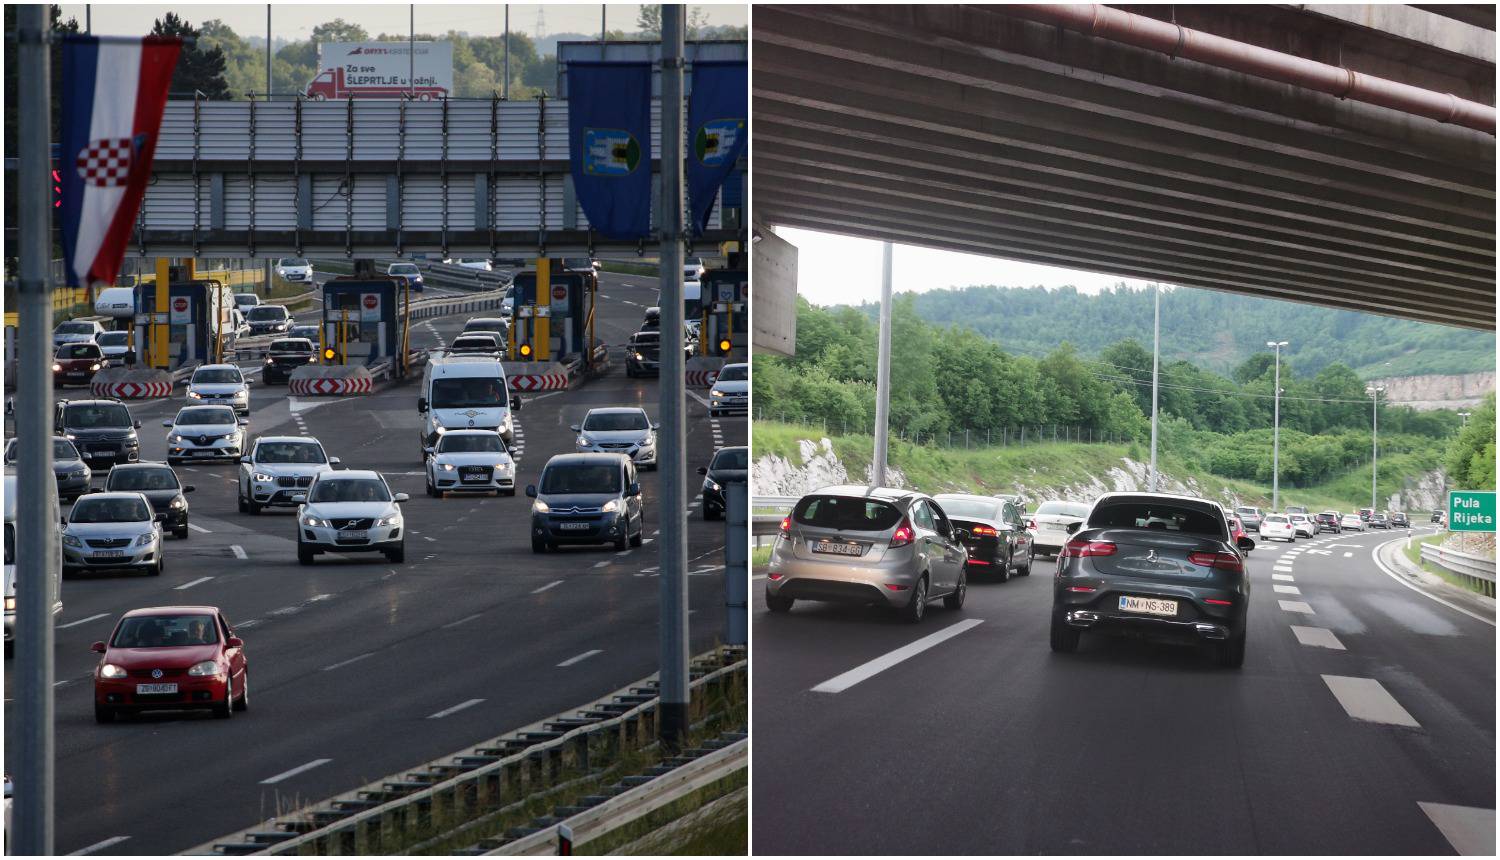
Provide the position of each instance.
(165, 631)
(646, 338)
(114, 338)
(608, 421)
(141, 479)
(87, 417)
(402, 269)
(1063, 509)
(469, 391)
(1155, 515)
(79, 350)
(75, 328)
(481, 343)
(289, 452)
(266, 313)
(349, 490)
(467, 444)
(62, 449)
(308, 331)
(734, 373)
(246, 299)
(291, 346)
(294, 261)
(577, 263)
(205, 415)
(731, 458)
(846, 514)
(216, 375)
(119, 510)
(970, 508)
(581, 478)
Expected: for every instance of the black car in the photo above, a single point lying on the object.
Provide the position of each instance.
(159, 484)
(1155, 564)
(993, 532)
(643, 354)
(1378, 520)
(586, 498)
(103, 430)
(268, 319)
(1437, 517)
(286, 355)
(1399, 520)
(728, 464)
(1327, 521)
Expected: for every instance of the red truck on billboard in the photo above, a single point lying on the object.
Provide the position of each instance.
(331, 84)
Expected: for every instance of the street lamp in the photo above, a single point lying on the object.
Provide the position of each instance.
(1465, 417)
(1276, 429)
(1374, 392)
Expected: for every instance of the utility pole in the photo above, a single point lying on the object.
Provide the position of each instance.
(603, 28)
(505, 87)
(1276, 428)
(411, 51)
(671, 439)
(1155, 382)
(1374, 392)
(883, 369)
(269, 88)
(36, 533)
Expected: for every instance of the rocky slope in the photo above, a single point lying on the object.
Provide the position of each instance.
(1438, 391)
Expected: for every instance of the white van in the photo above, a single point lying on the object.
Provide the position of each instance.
(465, 392)
(10, 565)
(116, 303)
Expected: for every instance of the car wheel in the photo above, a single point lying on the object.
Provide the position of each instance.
(431, 490)
(621, 541)
(538, 545)
(174, 461)
(777, 603)
(244, 702)
(1231, 653)
(955, 601)
(304, 555)
(244, 508)
(104, 714)
(156, 569)
(397, 555)
(710, 512)
(226, 710)
(917, 606)
(1064, 639)
(1005, 568)
(639, 537)
(182, 533)
(252, 507)
(1030, 560)
(510, 492)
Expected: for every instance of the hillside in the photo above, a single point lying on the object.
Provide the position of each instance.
(1213, 330)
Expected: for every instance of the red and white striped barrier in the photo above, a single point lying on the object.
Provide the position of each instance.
(330, 381)
(703, 371)
(539, 382)
(701, 378)
(131, 383)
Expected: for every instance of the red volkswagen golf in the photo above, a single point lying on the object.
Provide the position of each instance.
(171, 658)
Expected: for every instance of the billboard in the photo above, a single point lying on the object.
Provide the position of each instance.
(382, 70)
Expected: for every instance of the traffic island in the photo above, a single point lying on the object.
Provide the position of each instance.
(330, 381)
(129, 383)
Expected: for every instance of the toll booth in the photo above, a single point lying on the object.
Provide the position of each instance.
(196, 316)
(723, 311)
(565, 314)
(363, 321)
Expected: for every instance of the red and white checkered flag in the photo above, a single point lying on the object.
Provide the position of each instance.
(105, 162)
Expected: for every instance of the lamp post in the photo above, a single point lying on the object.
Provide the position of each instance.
(1465, 417)
(1276, 428)
(1155, 381)
(1374, 392)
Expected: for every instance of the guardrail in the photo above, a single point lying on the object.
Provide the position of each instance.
(452, 274)
(1478, 570)
(764, 524)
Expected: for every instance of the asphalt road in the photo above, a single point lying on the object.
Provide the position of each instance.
(988, 743)
(352, 659)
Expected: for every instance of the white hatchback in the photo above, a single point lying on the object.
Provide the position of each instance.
(1277, 527)
(1303, 525)
(1351, 523)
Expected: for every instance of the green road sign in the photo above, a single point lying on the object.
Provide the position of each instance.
(1471, 511)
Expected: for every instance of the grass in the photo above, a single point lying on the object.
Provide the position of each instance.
(760, 556)
(679, 828)
(1037, 467)
(1414, 553)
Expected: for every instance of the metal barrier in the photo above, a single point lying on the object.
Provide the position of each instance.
(1478, 570)
(763, 524)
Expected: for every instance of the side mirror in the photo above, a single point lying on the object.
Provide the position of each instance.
(63, 520)
(167, 423)
(400, 497)
(161, 518)
(244, 422)
(634, 489)
(137, 425)
(188, 488)
(245, 459)
(510, 449)
(1074, 527)
(574, 428)
(655, 425)
(235, 642)
(1245, 544)
(703, 470)
(97, 647)
(421, 404)
(334, 461)
(531, 491)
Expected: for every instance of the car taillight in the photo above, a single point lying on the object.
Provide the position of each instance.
(1217, 560)
(1082, 588)
(1218, 602)
(774, 576)
(1083, 548)
(983, 531)
(1031, 525)
(786, 525)
(903, 534)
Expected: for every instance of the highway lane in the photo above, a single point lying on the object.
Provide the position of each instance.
(351, 659)
(986, 742)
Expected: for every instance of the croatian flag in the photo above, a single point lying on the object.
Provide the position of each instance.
(114, 94)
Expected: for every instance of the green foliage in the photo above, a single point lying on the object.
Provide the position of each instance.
(1471, 455)
(201, 68)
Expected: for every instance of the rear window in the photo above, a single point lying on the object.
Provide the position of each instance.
(79, 350)
(1276, 519)
(846, 514)
(965, 508)
(1156, 515)
(114, 338)
(1063, 509)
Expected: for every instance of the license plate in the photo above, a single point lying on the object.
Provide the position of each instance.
(109, 553)
(299, 497)
(475, 478)
(1056, 527)
(205, 452)
(354, 535)
(1148, 605)
(837, 548)
(571, 527)
(75, 373)
(150, 689)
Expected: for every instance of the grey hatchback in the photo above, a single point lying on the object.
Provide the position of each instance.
(1156, 564)
(880, 546)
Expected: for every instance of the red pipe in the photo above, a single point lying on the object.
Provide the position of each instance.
(1104, 22)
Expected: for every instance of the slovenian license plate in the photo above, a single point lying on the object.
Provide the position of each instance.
(354, 535)
(570, 527)
(154, 689)
(109, 553)
(1148, 605)
(838, 548)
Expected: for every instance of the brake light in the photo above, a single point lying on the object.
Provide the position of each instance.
(983, 531)
(1218, 561)
(1218, 602)
(1082, 588)
(894, 587)
(978, 561)
(1079, 548)
(903, 534)
(786, 525)
(774, 576)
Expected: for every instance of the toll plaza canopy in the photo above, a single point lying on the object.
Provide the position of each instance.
(1342, 156)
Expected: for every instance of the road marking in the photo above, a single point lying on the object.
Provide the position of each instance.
(1283, 577)
(342, 663)
(601, 564)
(455, 709)
(623, 552)
(840, 683)
(1393, 575)
(239, 552)
(1286, 589)
(1471, 831)
(1348, 554)
(465, 620)
(1365, 699)
(580, 658)
(1317, 637)
(553, 584)
(99, 846)
(1296, 606)
(301, 768)
(186, 585)
(1283, 568)
(83, 621)
(197, 528)
(1319, 552)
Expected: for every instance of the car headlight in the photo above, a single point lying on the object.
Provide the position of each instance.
(540, 507)
(69, 540)
(10, 604)
(715, 393)
(94, 366)
(263, 478)
(446, 467)
(79, 473)
(175, 437)
(504, 466)
(639, 357)
(206, 669)
(242, 393)
(610, 506)
(584, 442)
(110, 670)
(70, 436)
(179, 503)
(195, 395)
(309, 520)
(145, 539)
(711, 484)
(269, 361)
(392, 520)
(56, 367)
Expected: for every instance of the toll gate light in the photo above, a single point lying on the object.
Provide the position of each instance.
(724, 346)
(526, 350)
(328, 354)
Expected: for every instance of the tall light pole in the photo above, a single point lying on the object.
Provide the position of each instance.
(1374, 392)
(1155, 383)
(883, 370)
(1465, 417)
(505, 87)
(1276, 429)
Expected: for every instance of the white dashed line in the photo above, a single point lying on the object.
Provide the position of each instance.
(1282, 568)
(840, 683)
(553, 584)
(83, 621)
(301, 768)
(1471, 831)
(342, 663)
(1348, 554)
(601, 564)
(455, 709)
(1286, 589)
(100, 846)
(1296, 606)
(197, 528)
(465, 620)
(1283, 577)
(580, 658)
(186, 585)
(239, 552)
(1365, 699)
(1317, 637)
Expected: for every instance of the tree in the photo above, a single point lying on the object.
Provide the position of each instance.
(1255, 367)
(200, 69)
(339, 30)
(1471, 455)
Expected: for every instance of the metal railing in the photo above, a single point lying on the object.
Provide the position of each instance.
(1477, 570)
(762, 522)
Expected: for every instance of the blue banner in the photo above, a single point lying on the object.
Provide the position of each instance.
(609, 141)
(718, 131)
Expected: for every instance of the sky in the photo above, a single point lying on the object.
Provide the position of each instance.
(296, 20)
(833, 269)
